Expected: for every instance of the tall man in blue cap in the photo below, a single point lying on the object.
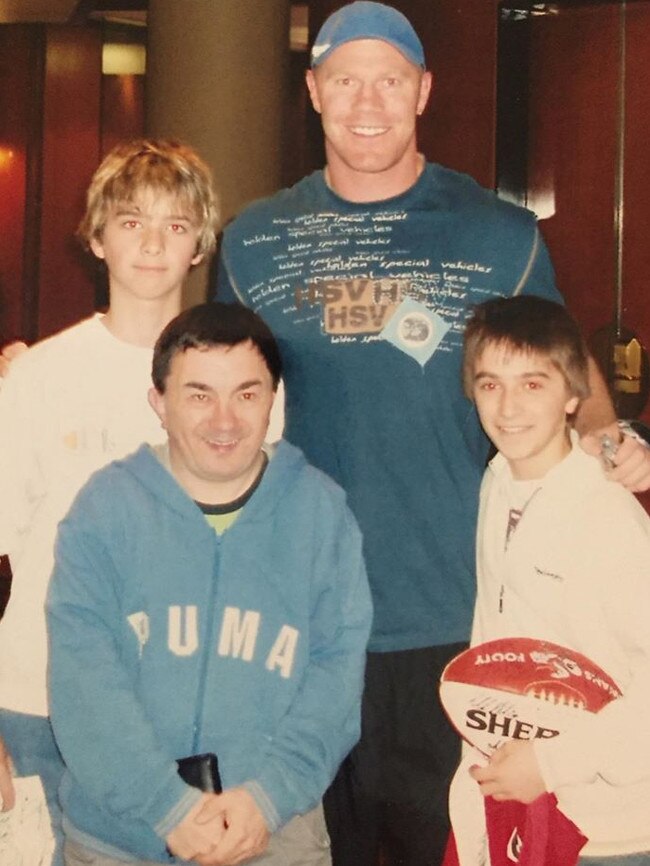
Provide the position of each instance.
(366, 272)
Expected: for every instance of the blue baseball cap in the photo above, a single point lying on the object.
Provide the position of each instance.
(364, 19)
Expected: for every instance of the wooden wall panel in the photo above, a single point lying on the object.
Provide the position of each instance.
(572, 152)
(460, 42)
(17, 90)
(122, 112)
(572, 158)
(58, 116)
(636, 246)
(70, 155)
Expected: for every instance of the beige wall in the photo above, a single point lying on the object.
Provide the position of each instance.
(216, 75)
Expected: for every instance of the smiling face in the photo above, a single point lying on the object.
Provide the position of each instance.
(368, 95)
(149, 245)
(523, 401)
(215, 409)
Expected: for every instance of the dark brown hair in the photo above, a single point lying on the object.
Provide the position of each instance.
(528, 324)
(209, 325)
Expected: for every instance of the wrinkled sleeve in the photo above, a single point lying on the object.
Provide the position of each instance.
(104, 735)
(323, 722)
(22, 479)
(613, 744)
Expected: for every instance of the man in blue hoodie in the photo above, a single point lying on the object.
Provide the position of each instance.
(209, 596)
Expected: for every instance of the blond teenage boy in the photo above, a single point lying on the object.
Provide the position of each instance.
(78, 400)
(562, 555)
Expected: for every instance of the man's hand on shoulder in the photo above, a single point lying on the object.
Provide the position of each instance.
(197, 835)
(631, 461)
(511, 774)
(10, 351)
(246, 835)
(7, 794)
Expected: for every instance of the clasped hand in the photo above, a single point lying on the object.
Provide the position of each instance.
(631, 462)
(220, 830)
(512, 773)
(7, 794)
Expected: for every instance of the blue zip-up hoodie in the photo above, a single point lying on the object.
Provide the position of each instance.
(167, 640)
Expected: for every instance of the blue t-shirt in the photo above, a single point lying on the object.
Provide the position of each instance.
(368, 303)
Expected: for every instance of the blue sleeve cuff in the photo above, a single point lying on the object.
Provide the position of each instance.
(264, 804)
(175, 815)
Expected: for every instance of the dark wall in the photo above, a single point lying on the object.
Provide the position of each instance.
(70, 153)
(58, 116)
(573, 136)
(19, 134)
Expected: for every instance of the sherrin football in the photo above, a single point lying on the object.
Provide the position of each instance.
(520, 689)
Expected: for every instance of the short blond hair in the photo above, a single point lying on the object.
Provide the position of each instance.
(160, 165)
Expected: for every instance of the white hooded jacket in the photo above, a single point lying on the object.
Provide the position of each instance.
(576, 572)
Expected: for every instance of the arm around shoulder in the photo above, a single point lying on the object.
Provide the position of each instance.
(9, 353)
(597, 410)
(7, 793)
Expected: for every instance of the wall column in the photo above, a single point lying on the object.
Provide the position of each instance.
(216, 78)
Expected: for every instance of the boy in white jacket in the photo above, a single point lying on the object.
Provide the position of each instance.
(563, 555)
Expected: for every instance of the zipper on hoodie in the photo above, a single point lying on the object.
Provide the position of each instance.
(203, 669)
(510, 532)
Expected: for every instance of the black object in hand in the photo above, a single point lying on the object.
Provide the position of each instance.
(201, 771)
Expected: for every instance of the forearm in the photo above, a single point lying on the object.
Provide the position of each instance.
(99, 723)
(302, 758)
(323, 722)
(597, 410)
(97, 717)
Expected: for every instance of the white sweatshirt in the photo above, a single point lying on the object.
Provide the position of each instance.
(576, 571)
(68, 406)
